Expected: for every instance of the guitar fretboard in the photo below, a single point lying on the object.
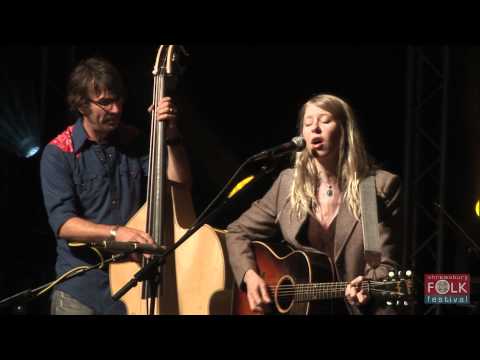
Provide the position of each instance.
(315, 291)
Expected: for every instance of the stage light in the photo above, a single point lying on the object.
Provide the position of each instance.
(477, 208)
(20, 119)
(20, 138)
(28, 147)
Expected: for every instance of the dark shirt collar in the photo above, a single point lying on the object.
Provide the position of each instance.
(79, 136)
(123, 134)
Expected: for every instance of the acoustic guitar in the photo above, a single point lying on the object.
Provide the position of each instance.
(301, 283)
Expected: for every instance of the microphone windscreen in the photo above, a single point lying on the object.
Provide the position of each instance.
(299, 141)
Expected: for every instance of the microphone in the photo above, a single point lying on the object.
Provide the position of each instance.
(121, 247)
(296, 144)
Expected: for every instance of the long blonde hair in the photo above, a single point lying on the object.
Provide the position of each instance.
(353, 161)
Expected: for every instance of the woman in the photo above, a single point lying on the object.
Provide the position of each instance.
(316, 206)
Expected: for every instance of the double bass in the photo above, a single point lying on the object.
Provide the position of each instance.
(195, 279)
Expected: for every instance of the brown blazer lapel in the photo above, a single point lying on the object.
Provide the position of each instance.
(291, 225)
(346, 222)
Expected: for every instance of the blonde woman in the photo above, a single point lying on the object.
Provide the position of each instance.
(315, 207)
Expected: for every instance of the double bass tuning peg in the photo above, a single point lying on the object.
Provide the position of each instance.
(180, 59)
(182, 48)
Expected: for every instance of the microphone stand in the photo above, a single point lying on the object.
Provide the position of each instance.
(151, 269)
(27, 295)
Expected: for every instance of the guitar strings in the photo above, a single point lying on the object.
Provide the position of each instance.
(326, 290)
(339, 284)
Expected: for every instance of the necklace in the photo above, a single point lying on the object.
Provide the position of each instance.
(330, 191)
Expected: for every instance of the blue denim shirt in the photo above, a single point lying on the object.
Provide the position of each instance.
(104, 184)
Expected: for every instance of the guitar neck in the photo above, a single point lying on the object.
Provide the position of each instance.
(316, 291)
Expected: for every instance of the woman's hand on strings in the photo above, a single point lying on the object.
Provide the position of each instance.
(354, 293)
(257, 293)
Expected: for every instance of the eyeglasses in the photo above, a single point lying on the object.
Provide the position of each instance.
(106, 104)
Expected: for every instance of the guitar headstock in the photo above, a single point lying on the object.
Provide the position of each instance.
(397, 289)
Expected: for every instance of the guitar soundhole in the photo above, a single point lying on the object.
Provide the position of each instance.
(284, 294)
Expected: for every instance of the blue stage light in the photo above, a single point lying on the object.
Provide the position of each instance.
(28, 147)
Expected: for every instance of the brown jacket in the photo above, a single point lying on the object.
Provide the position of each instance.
(271, 214)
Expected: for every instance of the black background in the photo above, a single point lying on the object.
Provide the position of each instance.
(235, 99)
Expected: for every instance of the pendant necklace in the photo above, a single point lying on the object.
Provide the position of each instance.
(330, 191)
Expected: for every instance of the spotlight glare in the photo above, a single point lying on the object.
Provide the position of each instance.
(28, 147)
(32, 151)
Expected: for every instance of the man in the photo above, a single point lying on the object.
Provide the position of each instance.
(93, 181)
